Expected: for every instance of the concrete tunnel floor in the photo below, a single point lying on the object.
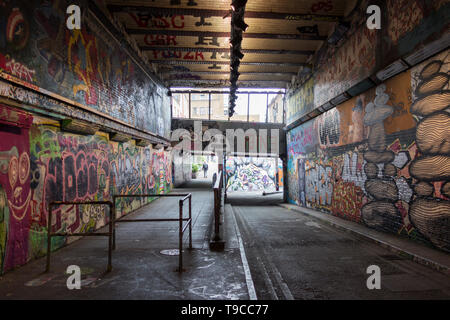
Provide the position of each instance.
(290, 256)
(140, 271)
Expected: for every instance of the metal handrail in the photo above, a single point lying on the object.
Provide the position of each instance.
(218, 186)
(50, 234)
(181, 219)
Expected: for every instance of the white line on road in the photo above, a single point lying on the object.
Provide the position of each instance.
(248, 275)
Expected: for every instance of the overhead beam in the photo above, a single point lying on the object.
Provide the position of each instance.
(226, 72)
(226, 82)
(225, 92)
(177, 33)
(156, 11)
(222, 50)
(176, 62)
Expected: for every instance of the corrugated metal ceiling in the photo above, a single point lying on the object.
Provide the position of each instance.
(189, 39)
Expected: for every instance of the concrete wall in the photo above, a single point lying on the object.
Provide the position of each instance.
(182, 169)
(383, 157)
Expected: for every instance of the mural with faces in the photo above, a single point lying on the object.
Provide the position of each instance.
(15, 192)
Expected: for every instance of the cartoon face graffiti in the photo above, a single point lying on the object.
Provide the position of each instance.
(18, 170)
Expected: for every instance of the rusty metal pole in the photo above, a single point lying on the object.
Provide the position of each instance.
(216, 214)
(114, 222)
(277, 175)
(49, 238)
(190, 222)
(180, 234)
(110, 238)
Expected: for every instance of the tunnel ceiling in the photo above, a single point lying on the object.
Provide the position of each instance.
(188, 40)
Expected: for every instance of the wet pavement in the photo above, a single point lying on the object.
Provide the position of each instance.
(292, 256)
(271, 253)
(140, 270)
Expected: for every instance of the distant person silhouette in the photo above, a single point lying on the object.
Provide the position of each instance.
(205, 169)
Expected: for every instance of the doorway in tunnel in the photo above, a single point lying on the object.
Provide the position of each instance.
(205, 168)
(254, 180)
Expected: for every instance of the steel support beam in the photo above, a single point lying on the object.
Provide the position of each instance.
(178, 62)
(212, 81)
(224, 50)
(156, 11)
(177, 33)
(226, 72)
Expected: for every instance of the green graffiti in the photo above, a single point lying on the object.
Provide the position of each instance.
(44, 144)
(37, 243)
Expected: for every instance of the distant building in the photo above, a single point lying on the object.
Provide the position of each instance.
(275, 110)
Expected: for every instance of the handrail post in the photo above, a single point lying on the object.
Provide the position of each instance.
(114, 222)
(216, 242)
(110, 239)
(180, 255)
(216, 214)
(190, 221)
(49, 237)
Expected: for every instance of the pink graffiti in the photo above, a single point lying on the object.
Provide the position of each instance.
(188, 55)
(19, 70)
(325, 6)
(16, 69)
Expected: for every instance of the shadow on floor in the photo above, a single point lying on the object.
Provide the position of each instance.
(200, 183)
(254, 198)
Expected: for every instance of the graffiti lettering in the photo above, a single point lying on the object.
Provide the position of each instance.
(324, 6)
(147, 20)
(160, 40)
(19, 70)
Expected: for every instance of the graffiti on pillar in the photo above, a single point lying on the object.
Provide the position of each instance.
(301, 174)
(382, 158)
(318, 185)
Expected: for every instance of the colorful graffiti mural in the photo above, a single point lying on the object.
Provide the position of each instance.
(341, 67)
(40, 164)
(252, 174)
(301, 102)
(382, 158)
(430, 209)
(410, 23)
(86, 66)
(408, 26)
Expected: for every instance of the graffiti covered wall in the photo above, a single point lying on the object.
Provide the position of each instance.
(301, 102)
(252, 174)
(342, 66)
(86, 66)
(407, 25)
(40, 164)
(382, 158)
